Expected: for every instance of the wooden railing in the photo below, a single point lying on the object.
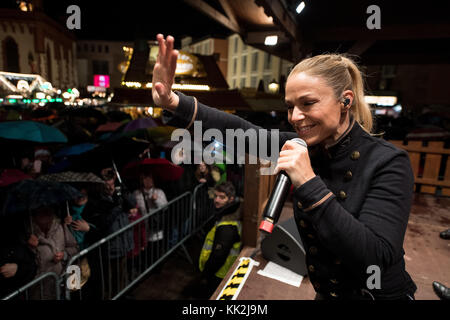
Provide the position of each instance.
(430, 165)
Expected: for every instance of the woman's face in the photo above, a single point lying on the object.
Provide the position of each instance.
(147, 181)
(202, 167)
(313, 109)
(83, 199)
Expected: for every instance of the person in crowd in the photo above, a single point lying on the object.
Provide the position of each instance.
(42, 161)
(26, 164)
(135, 258)
(17, 261)
(109, 216)
(352, 191)
(77, 225)
(223, 242)
(203, 175)
(53, 245)
(149, 198)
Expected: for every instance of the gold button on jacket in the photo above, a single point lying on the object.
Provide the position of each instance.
(355, 155)
(348, 175)
(333, 294)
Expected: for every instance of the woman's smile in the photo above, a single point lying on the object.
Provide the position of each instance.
(304, 130)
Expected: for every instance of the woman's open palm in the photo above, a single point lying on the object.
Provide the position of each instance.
(164, 73)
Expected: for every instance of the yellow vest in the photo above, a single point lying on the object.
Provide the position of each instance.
(207, 248)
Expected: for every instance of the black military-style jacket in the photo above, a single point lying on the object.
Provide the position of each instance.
(361, 225)
(352, 216)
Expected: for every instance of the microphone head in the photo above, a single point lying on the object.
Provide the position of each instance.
(300, 142)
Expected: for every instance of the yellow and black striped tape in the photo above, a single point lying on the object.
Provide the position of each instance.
(237, 280)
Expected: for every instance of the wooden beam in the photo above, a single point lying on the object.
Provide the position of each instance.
(229, 12)
(281, 17)
(392, 32)
(214, 14)
(257, 189)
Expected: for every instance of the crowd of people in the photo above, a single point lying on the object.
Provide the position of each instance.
(42, 229)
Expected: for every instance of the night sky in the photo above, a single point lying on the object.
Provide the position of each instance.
(127, 20)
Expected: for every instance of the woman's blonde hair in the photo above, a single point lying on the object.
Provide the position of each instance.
(340, 73)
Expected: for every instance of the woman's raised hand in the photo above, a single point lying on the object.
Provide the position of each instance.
(164, 74)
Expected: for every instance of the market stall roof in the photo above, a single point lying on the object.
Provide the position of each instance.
(19, 83)
(408, 34)
(191, 68)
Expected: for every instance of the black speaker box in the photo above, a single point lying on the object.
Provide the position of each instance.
(285, 248)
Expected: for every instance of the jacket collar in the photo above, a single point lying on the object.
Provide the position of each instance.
(229, 212)
(342, 145)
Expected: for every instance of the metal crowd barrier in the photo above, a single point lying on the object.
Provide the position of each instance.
(111, 273)
(44, 287)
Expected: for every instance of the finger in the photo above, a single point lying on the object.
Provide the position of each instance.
(159, 87)
(281, 167)
(162, 46)
(173, 62)
(289, 145)
(169, 46)
(287, 153)
(284, 160)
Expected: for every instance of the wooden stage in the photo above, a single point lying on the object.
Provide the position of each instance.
(427, 259)
(427, 256)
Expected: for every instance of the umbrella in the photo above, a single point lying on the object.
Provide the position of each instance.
(109, 126)
(60, 166)
(76, 133)
(161, 134)
(72, 177)
(162, 169)
(30, 131)
(32, 194)
(118, 116)
(87, 112)
(141, 123)
(119, 151)
(10, 176)
(75, 149)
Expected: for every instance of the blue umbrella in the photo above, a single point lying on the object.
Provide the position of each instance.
(75, 149)
(30, 131)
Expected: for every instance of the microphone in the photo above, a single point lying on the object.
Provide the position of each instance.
(277, 198)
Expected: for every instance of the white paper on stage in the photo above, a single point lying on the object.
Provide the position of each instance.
(277, 272)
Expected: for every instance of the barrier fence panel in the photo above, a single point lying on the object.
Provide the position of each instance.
(202, 206)
(103, 271)
(44, 287)
(113, 271)
(430, 165)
